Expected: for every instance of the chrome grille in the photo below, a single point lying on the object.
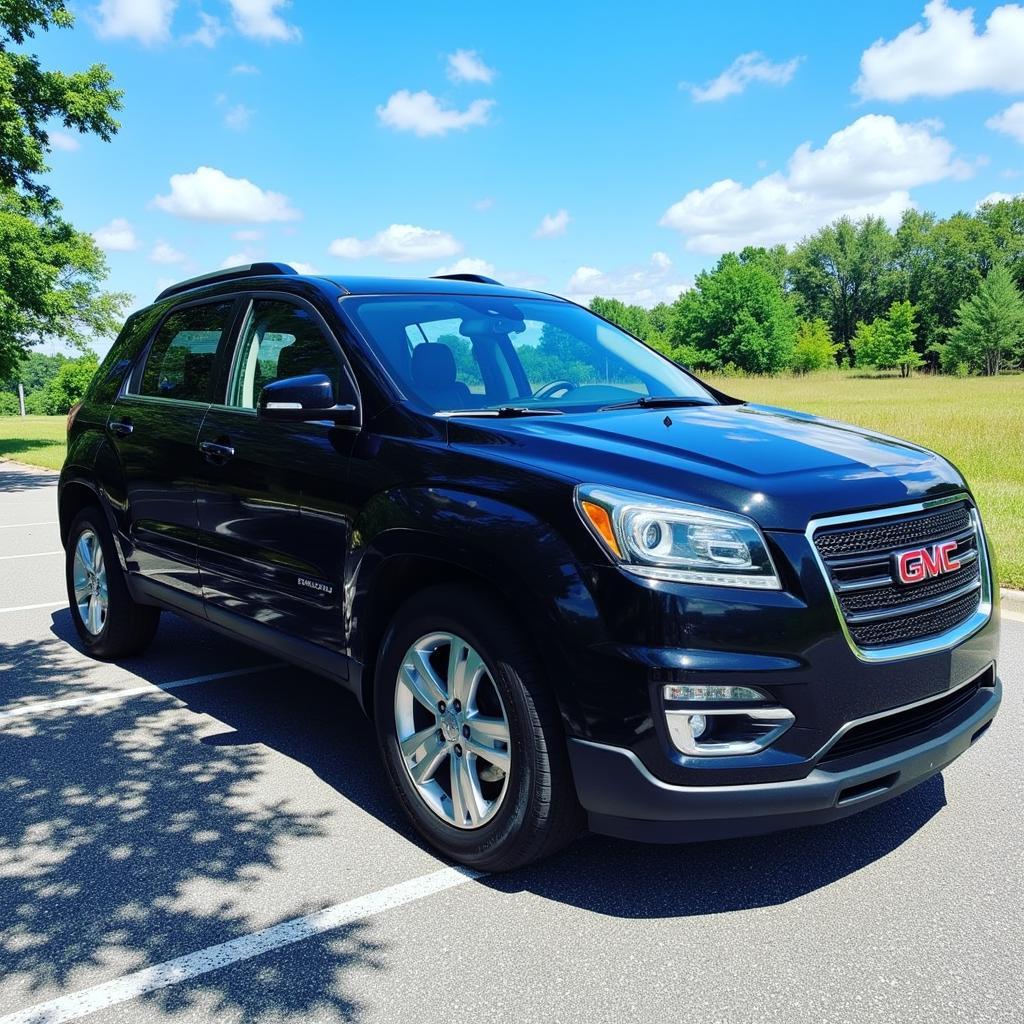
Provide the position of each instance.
(884, 617)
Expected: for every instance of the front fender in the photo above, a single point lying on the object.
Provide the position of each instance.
(524, 560)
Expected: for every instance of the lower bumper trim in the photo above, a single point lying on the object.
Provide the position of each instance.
(622, 798)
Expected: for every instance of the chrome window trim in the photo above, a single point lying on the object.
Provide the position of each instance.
(844, 729)
(946, 640)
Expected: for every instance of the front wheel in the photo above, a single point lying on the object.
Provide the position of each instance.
(470, 734)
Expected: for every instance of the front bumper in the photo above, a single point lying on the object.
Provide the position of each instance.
(622, 797)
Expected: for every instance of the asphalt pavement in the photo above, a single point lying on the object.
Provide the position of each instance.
(200, 834)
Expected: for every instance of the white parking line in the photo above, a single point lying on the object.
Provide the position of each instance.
(105, 696)
(245, 947)
(32, 554)
(29, 607)
(19, 526)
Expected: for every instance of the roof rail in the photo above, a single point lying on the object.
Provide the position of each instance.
(228, 274)
(475, 278)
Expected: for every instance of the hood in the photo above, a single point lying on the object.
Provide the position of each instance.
(781, 468)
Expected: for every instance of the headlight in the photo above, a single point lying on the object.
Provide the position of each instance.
(673, 540)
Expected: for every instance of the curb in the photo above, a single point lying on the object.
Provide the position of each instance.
(1012, 601)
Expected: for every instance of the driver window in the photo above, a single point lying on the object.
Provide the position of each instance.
(279, 340)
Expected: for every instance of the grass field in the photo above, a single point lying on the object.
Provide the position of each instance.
(38, 440)
(977, 423)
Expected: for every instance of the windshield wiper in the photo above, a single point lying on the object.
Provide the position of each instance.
(658, 402)
(503, 412)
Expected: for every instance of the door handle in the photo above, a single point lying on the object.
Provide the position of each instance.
(122, 428)
(216, 452)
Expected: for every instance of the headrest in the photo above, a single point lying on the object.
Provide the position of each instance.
(433, 365)
(301, 357)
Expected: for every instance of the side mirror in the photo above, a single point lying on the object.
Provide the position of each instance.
(298, 399)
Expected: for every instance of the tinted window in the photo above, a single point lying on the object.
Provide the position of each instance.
(279, 340)
(180, 361)
(469, 352)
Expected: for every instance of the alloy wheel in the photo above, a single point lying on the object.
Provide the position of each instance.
(90, 582)
(452, 730)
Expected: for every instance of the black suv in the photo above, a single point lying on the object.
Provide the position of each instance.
(569, 582)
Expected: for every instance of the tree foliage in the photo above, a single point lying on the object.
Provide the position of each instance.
(989, 326)
(50, 274)
(735, 315)
(888, 342)
(814, 348)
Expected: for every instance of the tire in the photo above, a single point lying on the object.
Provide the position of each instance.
(121, 627)
(533, 811)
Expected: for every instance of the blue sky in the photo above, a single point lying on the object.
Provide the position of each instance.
(603, 147)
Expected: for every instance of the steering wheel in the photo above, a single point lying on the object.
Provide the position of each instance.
(549, 390)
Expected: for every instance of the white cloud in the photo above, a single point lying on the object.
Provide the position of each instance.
(467, 66)
(258, 19)
(946, 55)
(303, 268)
(747, 68)
(209, 194)
(483, 205)
(997, 197)
(63, 141)
(866, 168)
(422, 113)
(643, 285)
(209, 32)
(553, 224)
(148, 21)
(247, 235)
(238, 117)
(238, 259)
(468, 265)
(399, 243)
(165, 253)
(117, 236)
(245, 69)
(1009, 122)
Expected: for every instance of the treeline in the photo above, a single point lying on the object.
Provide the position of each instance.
(52, 384)
(945, 295)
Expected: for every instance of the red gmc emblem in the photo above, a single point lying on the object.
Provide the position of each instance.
(924, 563)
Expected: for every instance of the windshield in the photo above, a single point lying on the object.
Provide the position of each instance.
(476, 353)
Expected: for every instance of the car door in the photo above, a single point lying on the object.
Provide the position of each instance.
(274, 526)
(153, 426)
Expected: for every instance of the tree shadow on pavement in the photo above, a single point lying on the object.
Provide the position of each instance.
(26, 479)
(132, 836)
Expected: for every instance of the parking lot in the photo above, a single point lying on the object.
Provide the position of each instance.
(201, 834)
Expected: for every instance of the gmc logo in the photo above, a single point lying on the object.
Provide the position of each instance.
(924, 563)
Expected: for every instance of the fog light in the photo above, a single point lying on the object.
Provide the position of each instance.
(676, 691)
(733, 731)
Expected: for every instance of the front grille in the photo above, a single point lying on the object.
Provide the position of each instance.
(879, 610)
(902, 724)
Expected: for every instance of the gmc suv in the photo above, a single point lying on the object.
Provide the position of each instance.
(569, 582)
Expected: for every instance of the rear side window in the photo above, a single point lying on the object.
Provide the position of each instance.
(181, 358)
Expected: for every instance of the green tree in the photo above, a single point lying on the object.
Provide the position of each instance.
(814, 348)
(736, 314)
(68, 386)
(9, 404)
(33, 373)
(50, 274)
(632, 319)
(989, 326)
(31, 97)
(888, 342)
(845, 274)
